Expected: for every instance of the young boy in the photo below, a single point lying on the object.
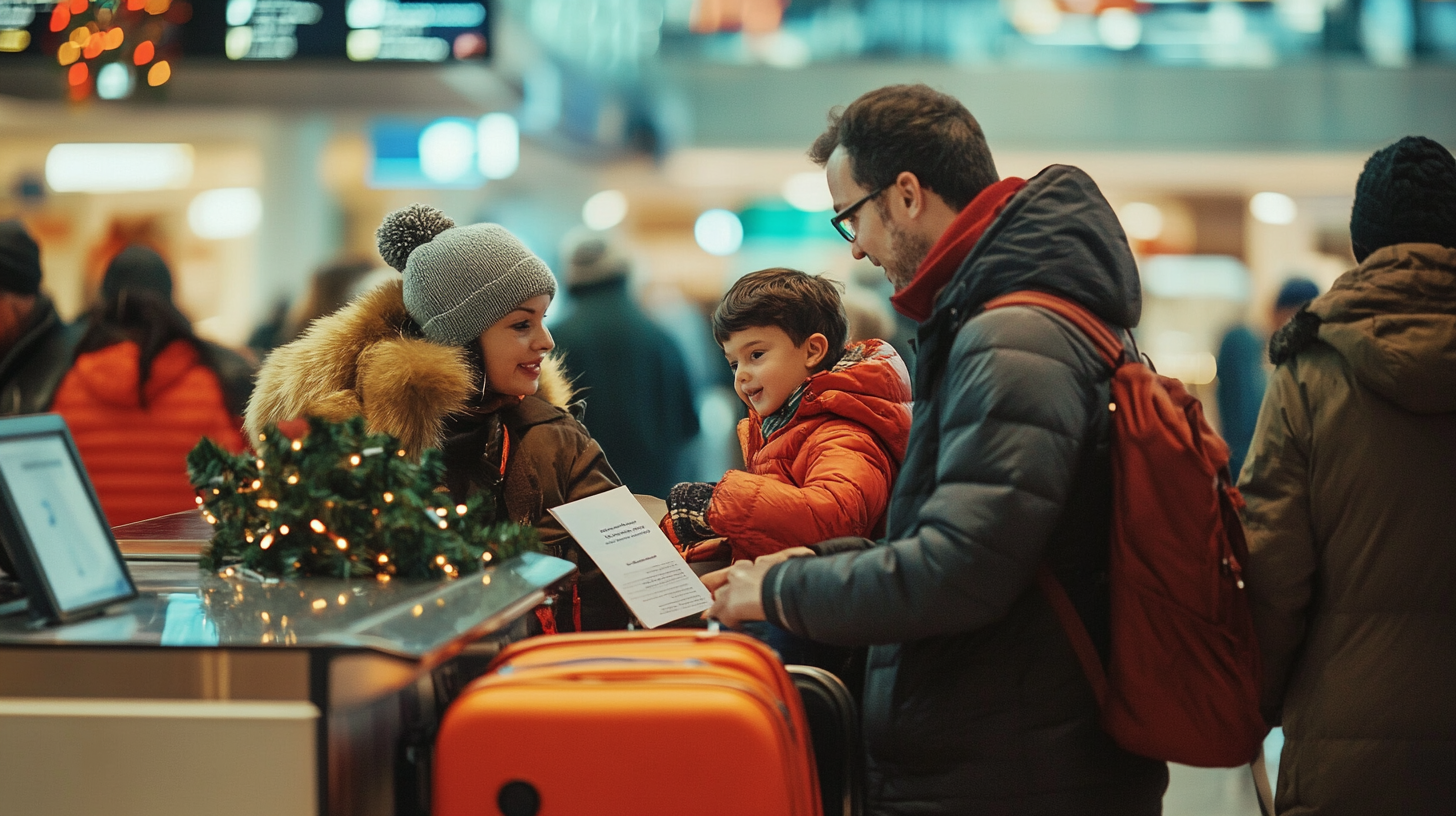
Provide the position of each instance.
(826, 429)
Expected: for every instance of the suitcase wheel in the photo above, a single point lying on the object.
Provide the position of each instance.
(517, 798)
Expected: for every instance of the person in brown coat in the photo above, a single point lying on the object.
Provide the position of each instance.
(1351, 491)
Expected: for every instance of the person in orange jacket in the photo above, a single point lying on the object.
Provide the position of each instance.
(144, 389)
(826, 431)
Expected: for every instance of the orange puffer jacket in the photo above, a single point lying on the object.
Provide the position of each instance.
(828, 473)
(137, 455)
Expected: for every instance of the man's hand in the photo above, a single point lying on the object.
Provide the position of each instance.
(738, 590)
(717, 578)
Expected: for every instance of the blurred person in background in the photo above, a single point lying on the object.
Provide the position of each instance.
(866, 277)
(36, 347)
(1242, 377)
(1351, 510)
(144, 389)
(639, 396)
(331, 286)
(867, 315)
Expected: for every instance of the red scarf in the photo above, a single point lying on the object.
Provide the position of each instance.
(917, 300)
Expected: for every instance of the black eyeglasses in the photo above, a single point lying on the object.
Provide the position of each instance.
(845, 214)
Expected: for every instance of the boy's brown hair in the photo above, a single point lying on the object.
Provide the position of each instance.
(799, 303)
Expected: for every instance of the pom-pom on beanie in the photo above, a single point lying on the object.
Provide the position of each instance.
(19, 259)
(458, 281)
(1406, 195)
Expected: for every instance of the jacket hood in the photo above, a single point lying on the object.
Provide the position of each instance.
(369, 358)
(1393, 319)
(110, 374)
(1057, 235)
(869, 385)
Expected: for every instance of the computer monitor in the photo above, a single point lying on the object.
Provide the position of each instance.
(51, 524)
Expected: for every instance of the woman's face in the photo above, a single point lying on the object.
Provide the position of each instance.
(514, 348)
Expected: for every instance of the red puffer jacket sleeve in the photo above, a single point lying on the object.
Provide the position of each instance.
(846, 477)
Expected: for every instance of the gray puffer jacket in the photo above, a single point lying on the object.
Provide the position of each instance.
(974, 700)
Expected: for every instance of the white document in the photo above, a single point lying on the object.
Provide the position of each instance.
(657, 584)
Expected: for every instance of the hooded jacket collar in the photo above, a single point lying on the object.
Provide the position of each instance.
(1057, 235)
(868, 386)
(1393, 320)
(917, 300)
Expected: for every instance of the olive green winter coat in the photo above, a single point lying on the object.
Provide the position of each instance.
(1351, 491)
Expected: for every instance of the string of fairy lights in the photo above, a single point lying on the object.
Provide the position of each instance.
(336, 503)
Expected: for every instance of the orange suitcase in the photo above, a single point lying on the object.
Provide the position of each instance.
(668, 723)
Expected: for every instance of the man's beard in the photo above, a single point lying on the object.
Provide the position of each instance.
(906, 254)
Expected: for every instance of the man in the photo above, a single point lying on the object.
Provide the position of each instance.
(638, 392)
(35, 346)
(974, 700)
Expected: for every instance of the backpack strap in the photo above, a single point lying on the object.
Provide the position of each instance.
(1102, 338)
(1076, 631)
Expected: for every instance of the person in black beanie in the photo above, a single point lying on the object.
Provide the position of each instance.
(1406, 195)
(36, 346)
(1351, 574)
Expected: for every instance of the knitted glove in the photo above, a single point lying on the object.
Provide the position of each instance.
(687, 506)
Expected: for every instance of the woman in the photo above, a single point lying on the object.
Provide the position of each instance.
(144, 389)
(455, 356)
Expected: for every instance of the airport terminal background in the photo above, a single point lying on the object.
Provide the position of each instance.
(257, 141)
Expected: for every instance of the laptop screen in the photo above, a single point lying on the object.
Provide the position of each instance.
(69, 538)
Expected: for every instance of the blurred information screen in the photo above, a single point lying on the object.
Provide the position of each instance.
(261, 30)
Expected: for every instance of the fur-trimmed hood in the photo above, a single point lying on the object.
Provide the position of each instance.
(369, 358)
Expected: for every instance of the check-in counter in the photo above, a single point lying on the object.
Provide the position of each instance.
(228, 695)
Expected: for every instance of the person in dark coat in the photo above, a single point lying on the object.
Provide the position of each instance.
(1352, 526)
(638, 394)
(36, 346)
(974, 702)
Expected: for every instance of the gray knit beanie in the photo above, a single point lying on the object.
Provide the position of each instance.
(458, 281)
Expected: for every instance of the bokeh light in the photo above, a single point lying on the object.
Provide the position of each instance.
(604, 210)
(114, 81)
(1140, 220)
(498, 145)
(718, 232)
(159, 73)
(1273, 208)
(447, 150)
(808, 192)
(227, 212)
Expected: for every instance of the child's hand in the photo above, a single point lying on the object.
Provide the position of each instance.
(687, 512)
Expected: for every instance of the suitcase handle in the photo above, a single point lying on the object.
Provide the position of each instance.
(691, 662)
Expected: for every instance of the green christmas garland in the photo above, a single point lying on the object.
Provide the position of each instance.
(343, 502)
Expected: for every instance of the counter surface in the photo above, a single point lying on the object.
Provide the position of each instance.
(184, 607)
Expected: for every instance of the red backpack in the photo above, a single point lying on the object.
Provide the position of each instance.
(1182, 678)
